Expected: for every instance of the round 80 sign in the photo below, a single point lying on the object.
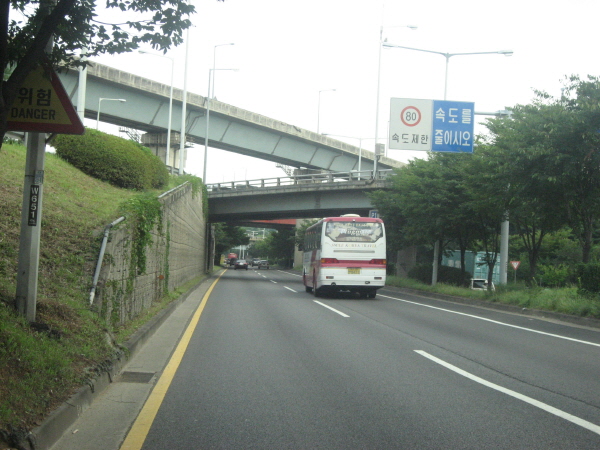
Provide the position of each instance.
(410, 116)
(410, 124)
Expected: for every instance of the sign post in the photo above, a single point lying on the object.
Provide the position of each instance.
(515, 265)
(42, 106)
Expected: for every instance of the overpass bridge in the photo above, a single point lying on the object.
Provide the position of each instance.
(230, 128)
(304, 196)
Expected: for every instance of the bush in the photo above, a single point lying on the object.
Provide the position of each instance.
(448, 275)
(120, 162)
(588, 276)
(554, 275)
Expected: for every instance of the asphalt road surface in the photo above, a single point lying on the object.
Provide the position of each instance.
(269, 366)
(254, 362)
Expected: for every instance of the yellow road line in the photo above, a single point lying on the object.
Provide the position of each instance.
(138, 432)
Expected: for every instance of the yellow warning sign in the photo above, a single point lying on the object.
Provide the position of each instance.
(42, 105)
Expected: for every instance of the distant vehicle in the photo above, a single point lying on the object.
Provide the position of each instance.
(345, 253)
(241, 264)
(263, 264)
(255, 261)
(480, 284)
(232, 258)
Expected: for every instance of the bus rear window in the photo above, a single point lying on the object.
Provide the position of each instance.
(354, 231)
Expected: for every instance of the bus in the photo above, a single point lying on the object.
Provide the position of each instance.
(345, 253)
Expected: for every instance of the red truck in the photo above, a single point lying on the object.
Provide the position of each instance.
(231, 259)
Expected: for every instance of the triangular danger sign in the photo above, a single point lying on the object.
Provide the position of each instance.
(42, 105)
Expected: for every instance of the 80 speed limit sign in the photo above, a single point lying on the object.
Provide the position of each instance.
(410, 124)
(410, 116)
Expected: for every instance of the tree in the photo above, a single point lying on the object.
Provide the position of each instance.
(555, 147)
(427, 203)
(280, 245)
(511, 169)
(27, 27)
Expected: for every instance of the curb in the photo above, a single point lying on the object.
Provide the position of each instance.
(62, 418)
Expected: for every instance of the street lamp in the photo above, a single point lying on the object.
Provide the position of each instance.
(170, 103)
(211, 82)
(100, 100)
(319, 107)
(381, 42)
(359, 148)
(448, 56)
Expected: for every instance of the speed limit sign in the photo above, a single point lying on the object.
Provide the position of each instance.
(410, 124)
(410, 116)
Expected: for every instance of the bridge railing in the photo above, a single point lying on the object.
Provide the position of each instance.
(306, 179)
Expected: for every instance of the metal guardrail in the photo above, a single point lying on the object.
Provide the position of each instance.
(301, 180)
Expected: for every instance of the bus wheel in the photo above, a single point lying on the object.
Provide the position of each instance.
(371, 294)
(308, 288)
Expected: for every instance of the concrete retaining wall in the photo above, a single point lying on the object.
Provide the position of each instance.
(176, 256)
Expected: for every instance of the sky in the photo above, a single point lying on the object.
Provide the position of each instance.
(291, 54)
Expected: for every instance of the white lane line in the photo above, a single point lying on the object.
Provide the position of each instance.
(550, 409)
(290, 289)
(333, 309)
(494, 321)
(275, 282)
(290, 273)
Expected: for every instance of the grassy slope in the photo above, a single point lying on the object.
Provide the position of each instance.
(40, 366)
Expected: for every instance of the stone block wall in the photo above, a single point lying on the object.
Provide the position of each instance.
(176, 256)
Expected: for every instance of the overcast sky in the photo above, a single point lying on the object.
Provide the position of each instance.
(287, 51)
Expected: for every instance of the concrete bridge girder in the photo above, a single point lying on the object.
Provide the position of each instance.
(293, 202)
(231, 128)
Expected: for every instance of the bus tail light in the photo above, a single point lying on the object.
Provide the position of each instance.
(329, 261)
(378, 261)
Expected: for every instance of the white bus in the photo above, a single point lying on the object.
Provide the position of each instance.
(345, 253)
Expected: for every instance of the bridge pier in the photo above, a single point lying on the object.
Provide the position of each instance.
(157, 142)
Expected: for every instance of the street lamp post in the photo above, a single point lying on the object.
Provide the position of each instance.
(436, 247)
(211, 86)
(448, 56)
(360, 139)
(381, 42)
(168, 147)
(319, 107)
(100, 100)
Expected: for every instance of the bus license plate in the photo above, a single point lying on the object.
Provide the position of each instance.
(353, 271)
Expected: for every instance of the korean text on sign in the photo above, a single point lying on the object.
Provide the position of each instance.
(453, 126)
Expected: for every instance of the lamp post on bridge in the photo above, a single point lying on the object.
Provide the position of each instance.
(211, 87)
(359, 148)
(319, 108)
(100, 100)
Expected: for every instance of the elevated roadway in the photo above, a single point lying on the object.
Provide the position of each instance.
(308, 196)
(230, 128)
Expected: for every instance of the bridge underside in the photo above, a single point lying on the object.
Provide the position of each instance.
(282, 204)
(230, 128)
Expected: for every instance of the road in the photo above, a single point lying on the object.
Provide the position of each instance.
(268, 366)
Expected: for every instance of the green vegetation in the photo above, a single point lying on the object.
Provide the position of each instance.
(538, 167)
(560, 300)
(74, 25)
(120, 162)
(41, 364)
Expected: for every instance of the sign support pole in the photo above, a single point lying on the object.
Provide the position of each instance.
(31, 224)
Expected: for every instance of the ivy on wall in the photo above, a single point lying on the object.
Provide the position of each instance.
(144, 212)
